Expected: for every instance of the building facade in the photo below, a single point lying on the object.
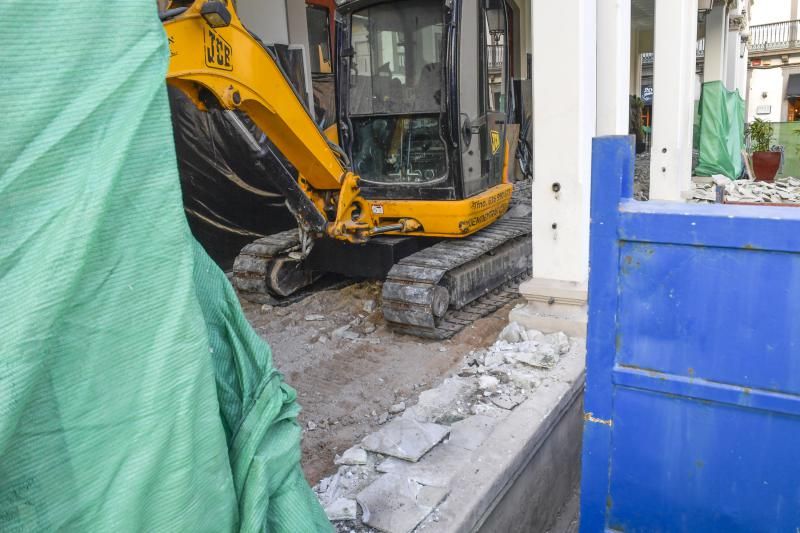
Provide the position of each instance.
(774, 66)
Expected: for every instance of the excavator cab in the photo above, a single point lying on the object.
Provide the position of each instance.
(423, 96)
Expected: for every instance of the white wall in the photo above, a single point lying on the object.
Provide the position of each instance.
(768, 11)
(297, 22)
(265, 18)
(768, 81)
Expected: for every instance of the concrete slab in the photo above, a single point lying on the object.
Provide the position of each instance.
(545, 356)
(436, 469)
(353, 456)
(439, 402)
(471, 432)
(396, 504)
(346, 483)
(405, 438)
(508, 401)
(341, 509)
(488, 383)
(525, 378)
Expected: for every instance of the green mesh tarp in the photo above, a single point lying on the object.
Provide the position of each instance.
(721, 132)
(787, 134)
(133, 394)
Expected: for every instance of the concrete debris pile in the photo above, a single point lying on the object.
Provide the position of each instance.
(781, 191)
(396, 477)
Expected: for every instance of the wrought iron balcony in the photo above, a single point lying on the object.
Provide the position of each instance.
(496, 56)
(776, 36)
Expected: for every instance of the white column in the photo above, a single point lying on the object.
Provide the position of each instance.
(741, 67)
(613, 66)
(673, 98)
(564, 89)
(732, 53)
(636, 64)
(716, 38)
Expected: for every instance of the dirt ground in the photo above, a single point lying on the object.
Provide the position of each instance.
(349, 368)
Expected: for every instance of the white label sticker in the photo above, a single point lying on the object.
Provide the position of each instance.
(377, 209)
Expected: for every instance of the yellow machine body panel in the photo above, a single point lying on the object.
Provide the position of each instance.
(451, 218)
(228, 61)
(232, 65)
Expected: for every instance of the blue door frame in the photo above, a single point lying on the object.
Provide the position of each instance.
(692, 406)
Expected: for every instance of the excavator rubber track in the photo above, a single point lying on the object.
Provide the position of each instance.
(254, 264)
(438, 291)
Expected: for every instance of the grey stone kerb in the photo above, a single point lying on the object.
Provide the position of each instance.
(478, 490)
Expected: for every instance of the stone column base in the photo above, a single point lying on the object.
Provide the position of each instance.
(553, 305)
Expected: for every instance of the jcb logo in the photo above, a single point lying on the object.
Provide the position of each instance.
(218, 51)
(495, 141)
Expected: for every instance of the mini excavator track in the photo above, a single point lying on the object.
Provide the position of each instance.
(264, 270)
(435, 293)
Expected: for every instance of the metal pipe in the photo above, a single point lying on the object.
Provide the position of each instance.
(387, 229)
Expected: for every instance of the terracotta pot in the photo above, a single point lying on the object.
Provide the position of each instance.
(766, 165)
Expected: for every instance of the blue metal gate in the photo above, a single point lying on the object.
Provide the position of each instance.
(692, 406)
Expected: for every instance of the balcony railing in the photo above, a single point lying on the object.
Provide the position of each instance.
(775, 36)
(496, 55)
(700, 51)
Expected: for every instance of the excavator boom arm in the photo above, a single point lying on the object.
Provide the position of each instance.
(229, 67)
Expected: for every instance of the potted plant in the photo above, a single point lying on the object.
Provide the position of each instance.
(635, 123)
(765, 162)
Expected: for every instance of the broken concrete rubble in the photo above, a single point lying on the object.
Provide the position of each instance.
(531, 347)
(488, 383)
(397, 488)
(405, 438)
(397, 504)
(514, 333)
(508, 401)
(544, 356)
(435, 405)
(341, 509)
(781, 191)
(353, 456)
(435, 469)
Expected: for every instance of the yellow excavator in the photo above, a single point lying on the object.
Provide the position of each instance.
(416, 190)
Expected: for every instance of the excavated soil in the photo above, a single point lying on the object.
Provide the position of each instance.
(349, 368)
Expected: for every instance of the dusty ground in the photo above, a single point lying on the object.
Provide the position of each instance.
(347, 378)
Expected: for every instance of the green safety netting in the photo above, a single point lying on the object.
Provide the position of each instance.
(721, 132)
(133, 393)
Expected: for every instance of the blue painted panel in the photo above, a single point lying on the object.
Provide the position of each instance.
(683, 465)
(721, 314)
(702, 389)
(766, 228)
(692, 401)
